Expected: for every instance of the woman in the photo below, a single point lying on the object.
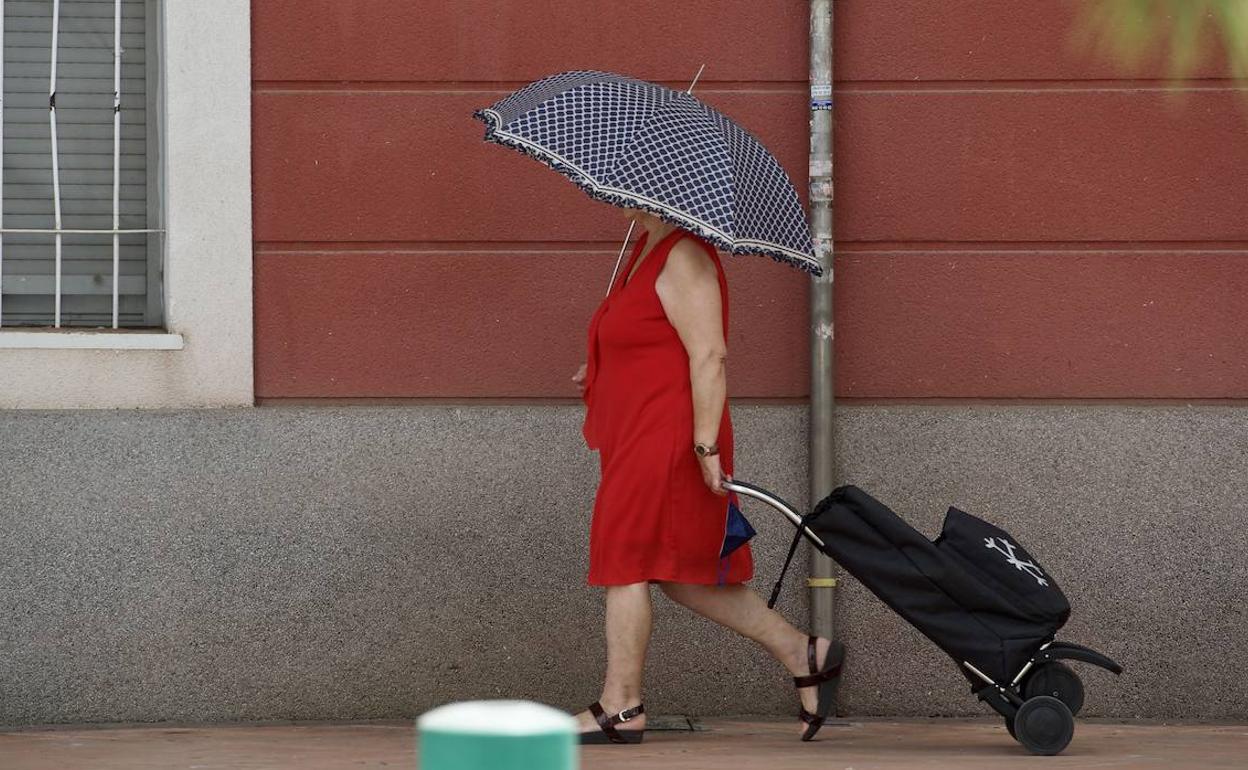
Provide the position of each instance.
(655, 390)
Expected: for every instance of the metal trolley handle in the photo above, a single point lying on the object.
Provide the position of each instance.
(775, 501)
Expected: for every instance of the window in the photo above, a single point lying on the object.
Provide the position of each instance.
(80, 224)
(196, 161)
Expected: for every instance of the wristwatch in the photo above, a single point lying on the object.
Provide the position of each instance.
(702, 450)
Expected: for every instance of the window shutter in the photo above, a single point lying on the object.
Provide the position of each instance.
(84, 118)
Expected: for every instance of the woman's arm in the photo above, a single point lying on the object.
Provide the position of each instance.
(688, 288)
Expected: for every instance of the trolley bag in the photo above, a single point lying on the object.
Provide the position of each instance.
(958, 591)
(974, 591)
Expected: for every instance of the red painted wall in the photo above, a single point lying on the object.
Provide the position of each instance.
(1013, 219)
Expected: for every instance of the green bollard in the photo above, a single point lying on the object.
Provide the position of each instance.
(497, 735)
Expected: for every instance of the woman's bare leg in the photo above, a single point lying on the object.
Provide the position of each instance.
(737, 607)
(628, 623)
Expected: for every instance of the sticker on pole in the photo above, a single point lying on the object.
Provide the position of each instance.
(821, 96)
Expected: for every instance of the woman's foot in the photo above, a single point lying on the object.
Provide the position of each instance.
(629, 719)
(799, 665)
(802, 661)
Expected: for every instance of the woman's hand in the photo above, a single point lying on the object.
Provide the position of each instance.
(713, 474)
(579, 378)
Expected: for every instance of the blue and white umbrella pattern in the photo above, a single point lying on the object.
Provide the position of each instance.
(640, 145)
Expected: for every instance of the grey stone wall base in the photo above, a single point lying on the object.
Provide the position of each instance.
(1137, 511)
(372, 562)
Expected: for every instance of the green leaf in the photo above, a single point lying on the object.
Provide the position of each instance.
(1187, 32)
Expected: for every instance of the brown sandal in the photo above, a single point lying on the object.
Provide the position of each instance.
(608, 733)
(828, 678)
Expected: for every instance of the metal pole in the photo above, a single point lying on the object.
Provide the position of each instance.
(822, 581)
(2, 9)
(56, 171)
(116, 159)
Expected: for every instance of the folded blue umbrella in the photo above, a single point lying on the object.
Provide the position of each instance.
(737, 532)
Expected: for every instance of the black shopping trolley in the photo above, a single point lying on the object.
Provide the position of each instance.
(974, 591)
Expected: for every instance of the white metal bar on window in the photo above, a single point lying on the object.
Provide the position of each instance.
(116, 156)
(56, 175)
(2, 9)
(71, 283)
(60, 284)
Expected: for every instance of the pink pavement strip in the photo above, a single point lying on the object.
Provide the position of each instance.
(726, 744)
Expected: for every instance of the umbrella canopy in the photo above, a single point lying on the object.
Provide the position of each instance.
(640, 145)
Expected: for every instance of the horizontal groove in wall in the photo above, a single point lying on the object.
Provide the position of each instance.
(489, 86)
(878, 247)
(846, 402)
(1054, 402)
(1028, 247)
(1036, 86)
(436, 247)
(773, 86)
(417, 401)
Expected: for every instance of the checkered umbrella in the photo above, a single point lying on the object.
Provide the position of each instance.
(640, 145)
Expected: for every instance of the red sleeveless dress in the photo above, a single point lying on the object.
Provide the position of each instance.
(654, 517)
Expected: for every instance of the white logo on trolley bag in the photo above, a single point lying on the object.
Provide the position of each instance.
(1008, 550)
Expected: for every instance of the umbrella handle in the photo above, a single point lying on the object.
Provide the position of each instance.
(620, 258)
(775, 501)
(633, 223)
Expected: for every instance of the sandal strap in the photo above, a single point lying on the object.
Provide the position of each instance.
(816, 676)
(814, 720)
(820, 678)
(607, 722)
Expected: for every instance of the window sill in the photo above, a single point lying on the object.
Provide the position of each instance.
(60, 339)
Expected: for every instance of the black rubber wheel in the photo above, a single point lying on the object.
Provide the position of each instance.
(1057, 680)
(1009, 728)
(1044, 725)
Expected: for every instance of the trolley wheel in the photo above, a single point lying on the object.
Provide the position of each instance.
(1044, 725)
(1056, 680)
(1009, 727)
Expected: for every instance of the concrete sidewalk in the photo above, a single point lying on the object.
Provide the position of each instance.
(726, 744)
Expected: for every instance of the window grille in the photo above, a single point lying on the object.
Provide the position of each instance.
(80, 235)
